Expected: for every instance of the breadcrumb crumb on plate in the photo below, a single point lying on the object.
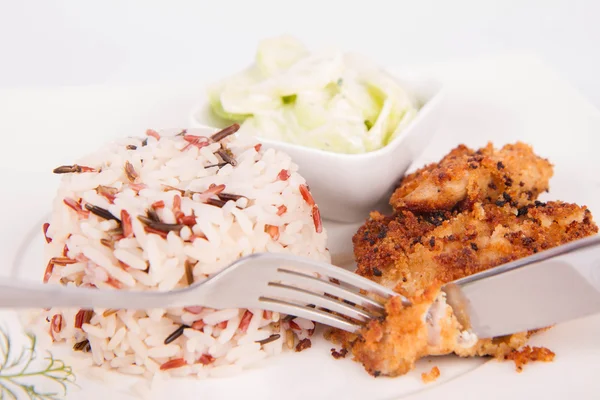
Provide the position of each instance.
(527, 354)
(431, 376)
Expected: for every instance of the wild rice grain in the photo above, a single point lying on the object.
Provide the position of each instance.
(270, 339)
(101, 212)
(84, 346)
(130, 172)
(175, 335)
(189, 272)
(224, 154)
(289, 339)
(68, 169)
(222, 134)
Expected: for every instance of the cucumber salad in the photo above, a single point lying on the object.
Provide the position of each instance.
(327, 100)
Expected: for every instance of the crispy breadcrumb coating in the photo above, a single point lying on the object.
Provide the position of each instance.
(513, 174)
(430, 376)
(472, 211)
(527, 354)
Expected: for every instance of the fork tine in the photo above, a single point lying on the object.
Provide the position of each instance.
(282, 291)
(312, 314)
(320, 285)
(342, 275)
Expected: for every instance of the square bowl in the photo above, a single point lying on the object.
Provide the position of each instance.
(348, 186)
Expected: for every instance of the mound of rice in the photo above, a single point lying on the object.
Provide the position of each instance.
(165, 211)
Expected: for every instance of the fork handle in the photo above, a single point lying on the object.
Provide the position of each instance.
(25, 294)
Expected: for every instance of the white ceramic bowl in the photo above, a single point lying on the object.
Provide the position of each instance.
(348, 186)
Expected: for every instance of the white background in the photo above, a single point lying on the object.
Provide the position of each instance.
(51, 43)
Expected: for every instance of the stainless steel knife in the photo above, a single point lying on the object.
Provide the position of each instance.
(541, 290)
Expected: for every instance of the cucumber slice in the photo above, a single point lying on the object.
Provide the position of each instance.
(279, 53)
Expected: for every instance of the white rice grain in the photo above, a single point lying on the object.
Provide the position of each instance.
(130, 259)
(117, 338)
(72, 269)
(120, 362)
(168, 350)
(242, 351)
(137, 345)
(94, 331)
(129, 321)
(230, 330)
(220, 316)
(132, 370)
(103, 261)
(202, 338)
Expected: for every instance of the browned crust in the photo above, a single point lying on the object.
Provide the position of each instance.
(433, 240)
(431, 376)
(529, 354)
(409, 253)
(513, 174)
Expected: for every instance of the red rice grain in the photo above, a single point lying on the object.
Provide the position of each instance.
(222, 325)
(83, 317)
(171, 364)
(75, 206)
(126, 223)
(305, 192)
(57, 323)
(246, 318)
(158, 204)
(273, 231)
(283, 175)
(45, 229)
(153, 133)
(316, 215)
(281, 210)
(205, 359)
(194, 309)
(198, 325)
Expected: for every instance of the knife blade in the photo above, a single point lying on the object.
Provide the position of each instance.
(538, 291)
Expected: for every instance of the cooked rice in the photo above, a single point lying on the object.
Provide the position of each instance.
(175, 181)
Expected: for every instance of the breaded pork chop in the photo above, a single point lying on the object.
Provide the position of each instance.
(470, 212)
(513, 174)
(416, 257)
(411, 252)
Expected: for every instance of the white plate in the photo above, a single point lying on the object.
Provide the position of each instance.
(502, 99)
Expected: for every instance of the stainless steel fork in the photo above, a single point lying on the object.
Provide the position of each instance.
(283, 283)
